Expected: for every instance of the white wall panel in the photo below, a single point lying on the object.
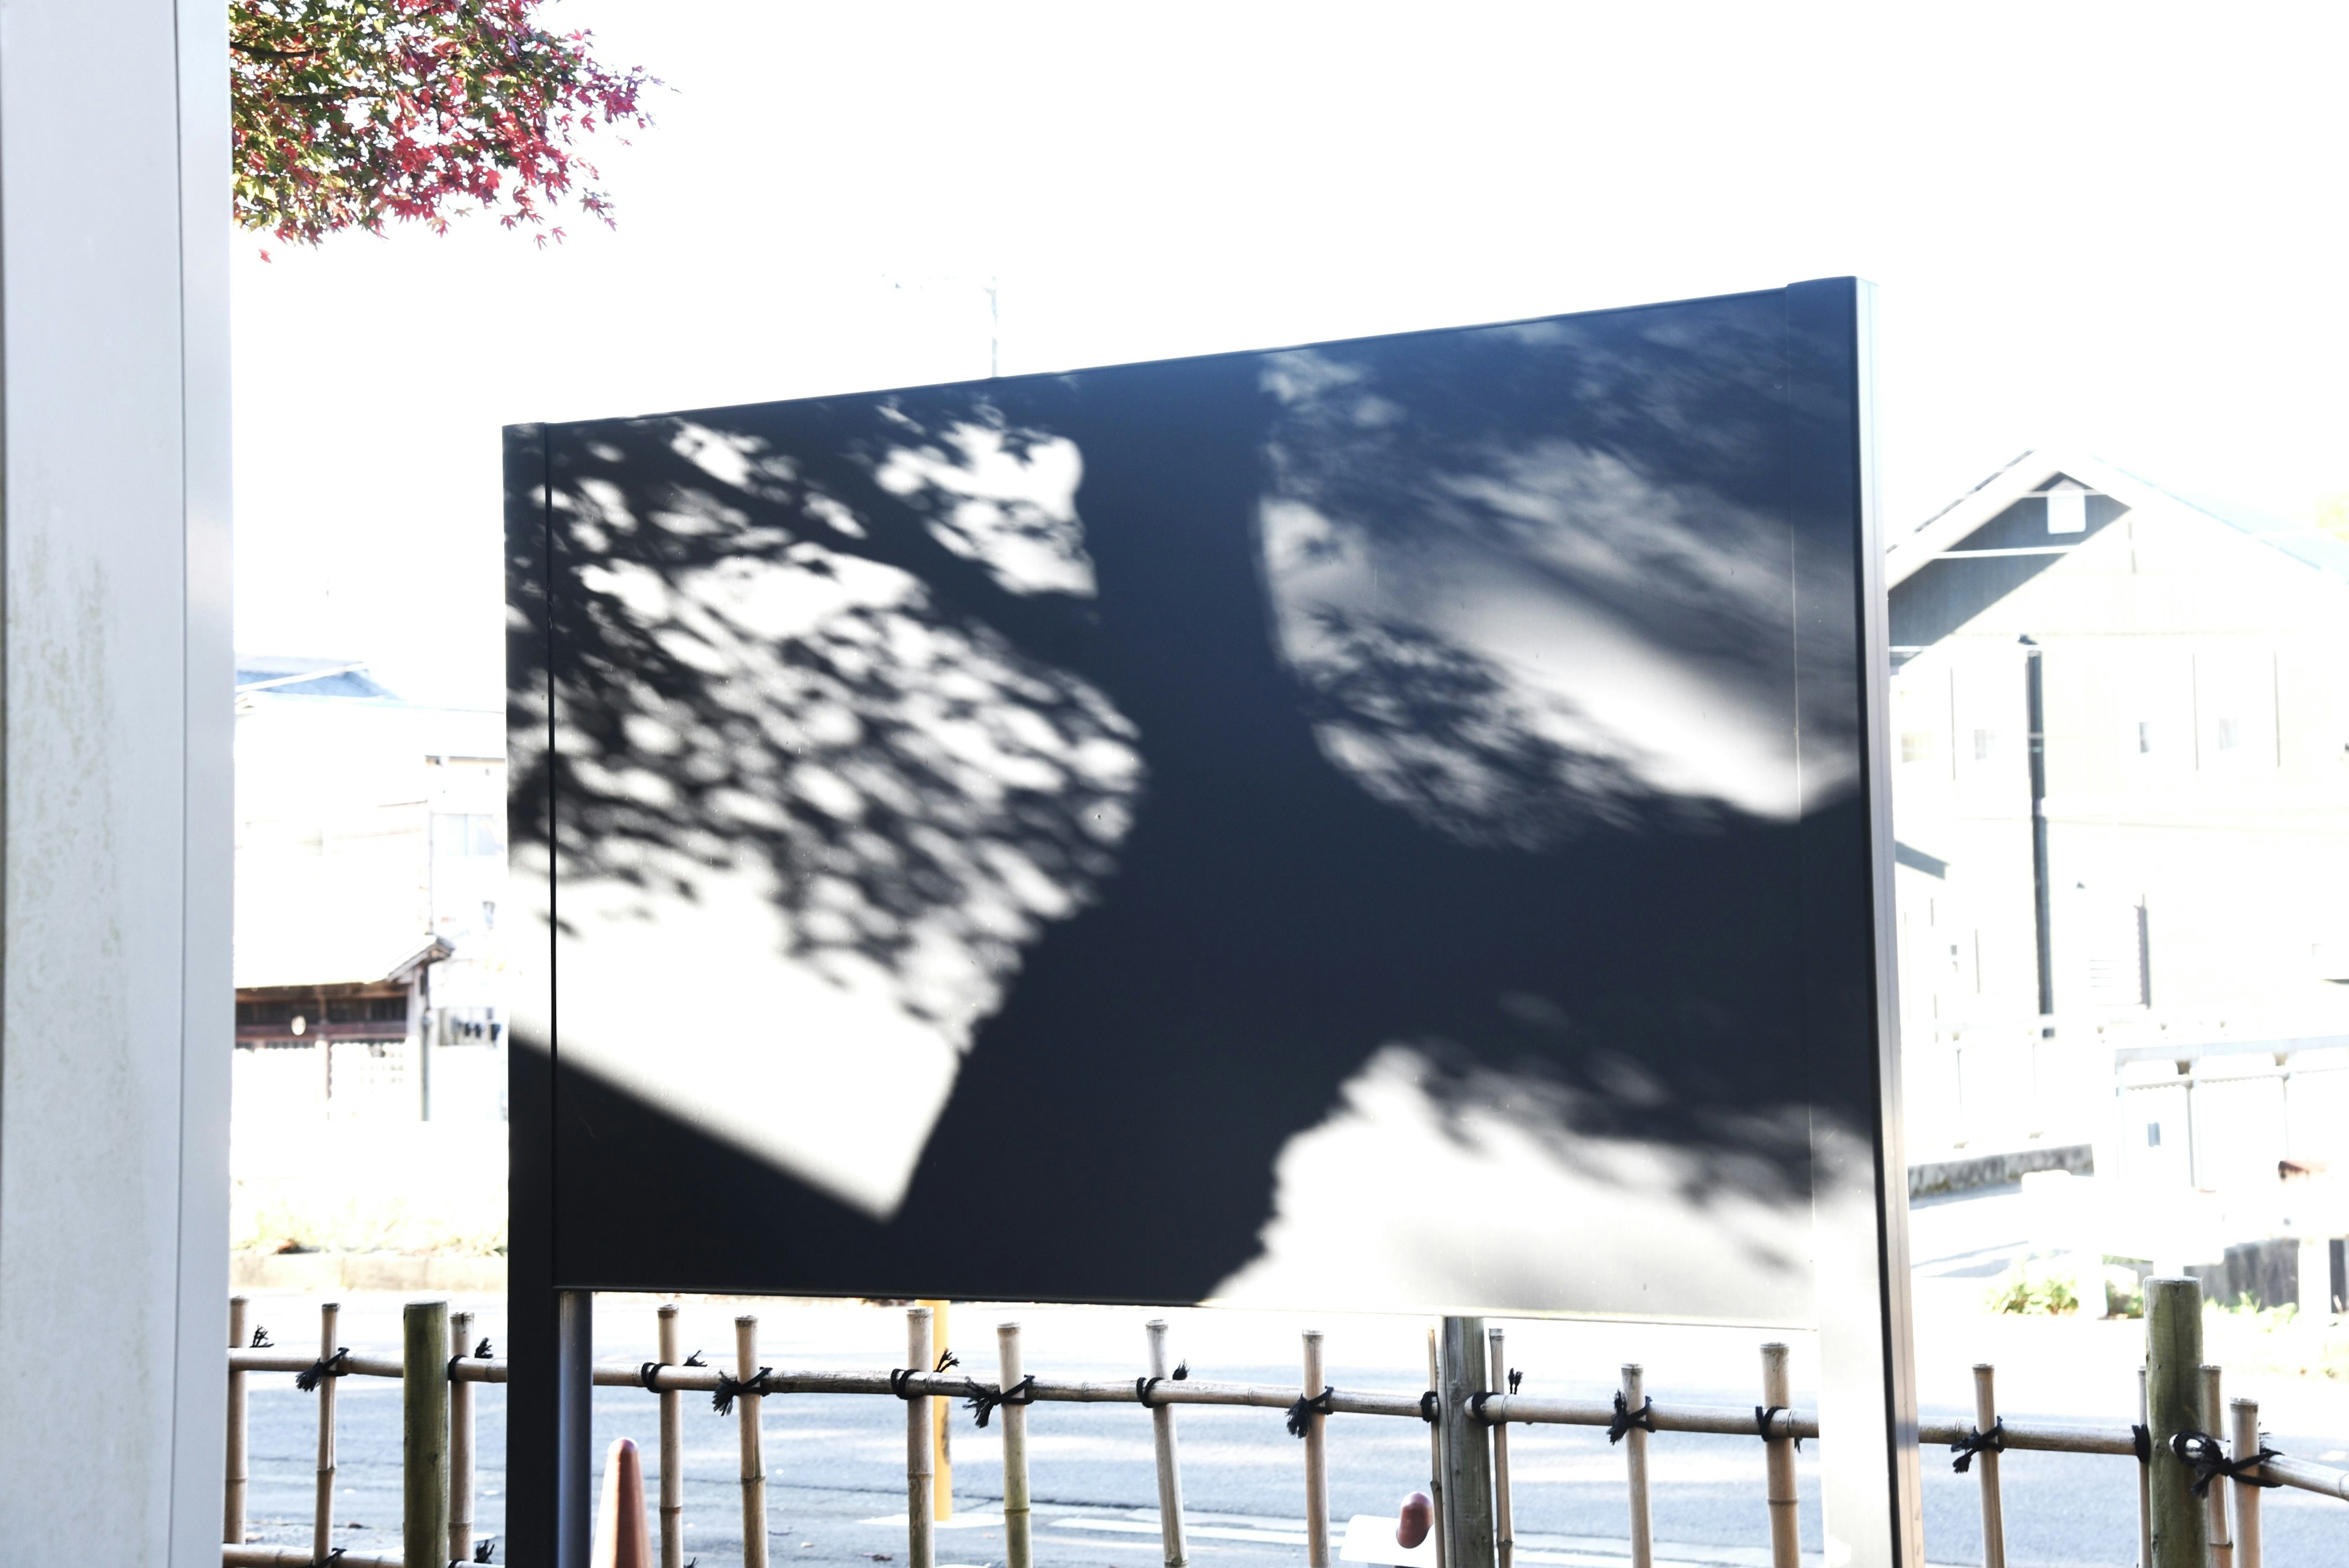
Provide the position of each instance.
(115, 1006)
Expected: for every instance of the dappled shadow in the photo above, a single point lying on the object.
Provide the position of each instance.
(1526, 591)
(1424, 724)
(795, 657)
(1032, 803)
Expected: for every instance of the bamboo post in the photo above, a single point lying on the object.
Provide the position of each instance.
(1015, 1449)
(233, 1495)
(2214, 1421)
(322, 1517)
(620, 1512)
(1786, 1539)
(1635, 1467)
(1505, 1530)
(1466, 1519)
(941, 1421)
(2144, 1484)
(2246, 1414)
(460, 1444)
(921, 1526)
(754, 1464)
(2173, 1357)
(1170, 1476)
(1435, 1449)
(424, 1430)
(672, 1450)
(1994, 1514)
(1317, 1467)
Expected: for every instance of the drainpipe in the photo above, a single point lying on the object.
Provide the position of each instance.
(2035, 703)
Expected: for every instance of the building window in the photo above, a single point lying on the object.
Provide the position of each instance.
(2143, 737)
(1916, 746)
(2231, 734)
(2153, 1135)
(2067, 508)
(1982, 745)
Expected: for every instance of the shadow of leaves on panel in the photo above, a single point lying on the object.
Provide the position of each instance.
(813, 659)
(869, 649)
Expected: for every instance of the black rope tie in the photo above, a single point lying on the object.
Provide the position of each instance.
(649, 1374)
(984, 1398)
(1301, 1413)
(2142, 1442)
(483, 1350)
(1476, 1406)
(722, 1401)
(1762, 1420)
(1141, 1386)
(901, 1375)
(693, 1360)
(1427, 1407)
(260, 1338)
(1516, 1378)
(329, 1367)
(2207, 1457)
(1978, 1442)
(1625, 1418)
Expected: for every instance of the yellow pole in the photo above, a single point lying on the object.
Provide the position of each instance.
(941, 1424)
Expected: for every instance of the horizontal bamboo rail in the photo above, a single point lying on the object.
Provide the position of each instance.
(2046, 1436)
(2318, 1478)
(296, 1557)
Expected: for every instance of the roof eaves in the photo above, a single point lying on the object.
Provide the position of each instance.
(1907, 556)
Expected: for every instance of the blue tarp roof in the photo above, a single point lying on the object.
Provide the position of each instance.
(268, 674)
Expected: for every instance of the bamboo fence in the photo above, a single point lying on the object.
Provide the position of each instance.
(2214, 1524)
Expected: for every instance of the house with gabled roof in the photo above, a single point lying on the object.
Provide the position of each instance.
(370, 861)
(2120, 752)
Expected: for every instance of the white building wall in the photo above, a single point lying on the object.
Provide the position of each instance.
(2197, 698)
(115, 1000)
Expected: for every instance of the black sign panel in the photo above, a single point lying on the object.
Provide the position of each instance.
(1384, 824)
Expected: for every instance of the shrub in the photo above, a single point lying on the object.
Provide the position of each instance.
(2024, 1289)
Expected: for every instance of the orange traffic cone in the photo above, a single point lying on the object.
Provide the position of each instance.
(620, 1540)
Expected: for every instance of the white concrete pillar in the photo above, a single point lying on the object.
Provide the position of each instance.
(116, 1008)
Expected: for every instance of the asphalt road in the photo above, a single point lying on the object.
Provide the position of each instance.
(835, 1473)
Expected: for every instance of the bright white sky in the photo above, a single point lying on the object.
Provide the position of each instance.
(2120, 225)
